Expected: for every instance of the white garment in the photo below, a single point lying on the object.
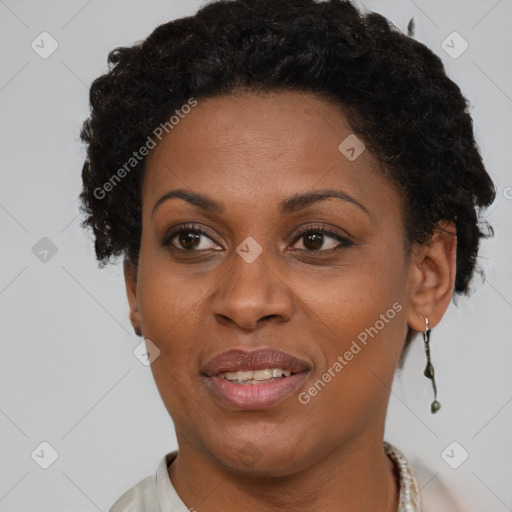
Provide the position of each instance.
(153, 494)
(157, 494)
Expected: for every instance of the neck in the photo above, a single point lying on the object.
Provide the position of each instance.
(355, 476)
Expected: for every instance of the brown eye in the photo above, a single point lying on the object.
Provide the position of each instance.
(317, 240)
(189, 239)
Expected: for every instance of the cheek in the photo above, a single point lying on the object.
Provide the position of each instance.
(350, 387)
(361, 334)
(360, 327)
(168, 293)
(171, 318)
(352, 298)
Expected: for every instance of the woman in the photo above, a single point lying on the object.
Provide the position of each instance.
(295, 188)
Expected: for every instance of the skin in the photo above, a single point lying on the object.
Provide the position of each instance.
(248, 152)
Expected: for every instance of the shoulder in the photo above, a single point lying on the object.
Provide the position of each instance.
(151, 493)
(142, 497)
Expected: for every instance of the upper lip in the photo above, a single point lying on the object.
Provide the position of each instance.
(241, 360)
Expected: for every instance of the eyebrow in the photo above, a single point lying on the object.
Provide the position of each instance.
(290, 205)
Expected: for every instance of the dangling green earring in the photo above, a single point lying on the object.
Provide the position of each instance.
(429, 369)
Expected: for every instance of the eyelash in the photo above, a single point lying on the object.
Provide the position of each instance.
(345, 242)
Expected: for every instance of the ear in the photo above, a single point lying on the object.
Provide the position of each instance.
(130, 280)
(432, 277)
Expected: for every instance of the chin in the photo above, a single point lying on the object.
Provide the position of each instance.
(265, 459)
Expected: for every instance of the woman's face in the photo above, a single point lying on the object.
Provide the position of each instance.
(255, 272)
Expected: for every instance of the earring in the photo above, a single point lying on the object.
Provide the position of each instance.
(429, 369)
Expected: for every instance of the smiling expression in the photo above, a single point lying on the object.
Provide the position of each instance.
(263, 173)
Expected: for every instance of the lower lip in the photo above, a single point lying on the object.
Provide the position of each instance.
(256, 396)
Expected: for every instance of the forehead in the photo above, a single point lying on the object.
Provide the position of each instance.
(260, 148)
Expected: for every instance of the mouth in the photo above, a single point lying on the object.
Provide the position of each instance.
(242, 362)
(254, 380)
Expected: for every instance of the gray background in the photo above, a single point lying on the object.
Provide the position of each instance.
(68, 373)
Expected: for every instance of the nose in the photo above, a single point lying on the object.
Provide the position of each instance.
(252, 293)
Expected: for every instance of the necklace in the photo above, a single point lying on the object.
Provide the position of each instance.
(409, 500)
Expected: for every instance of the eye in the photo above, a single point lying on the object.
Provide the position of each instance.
(189, 238)
(315, 237)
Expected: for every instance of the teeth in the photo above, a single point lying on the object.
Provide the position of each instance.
(255, 376)
(262, 374)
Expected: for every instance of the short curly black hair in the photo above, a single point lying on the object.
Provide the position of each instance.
(394, 90)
